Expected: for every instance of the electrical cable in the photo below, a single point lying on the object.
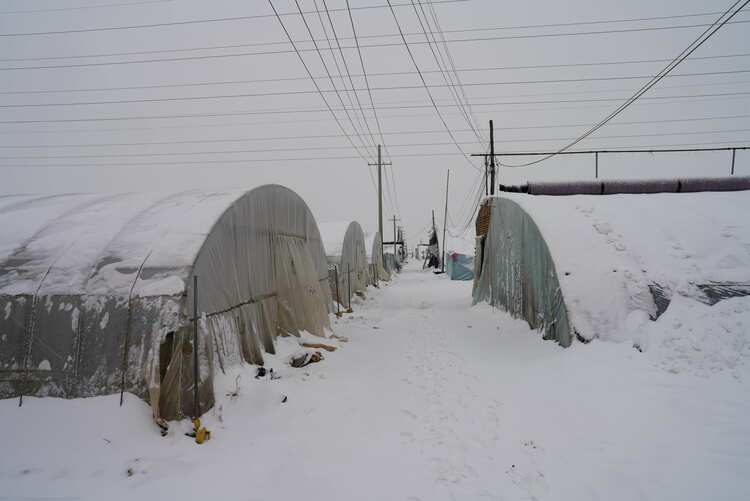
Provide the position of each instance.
(83, 7)
(706, 35)
(391, 88)
(394, 107)
(330, 78)
(328, 106)
(378, 45)
(324, 148)
(440, 63)
(451, 60)
(347, 91)
(644, 149)
(429, 94)
(348, 73)
(189, 22)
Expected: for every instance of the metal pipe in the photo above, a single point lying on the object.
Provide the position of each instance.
(338, 294)
(196, 403)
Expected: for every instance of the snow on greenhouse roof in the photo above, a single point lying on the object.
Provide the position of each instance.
(95, 243)
(609, 250)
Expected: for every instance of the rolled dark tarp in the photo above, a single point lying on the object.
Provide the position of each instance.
(635, 186)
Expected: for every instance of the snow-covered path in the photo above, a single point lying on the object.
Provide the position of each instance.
(429, 400)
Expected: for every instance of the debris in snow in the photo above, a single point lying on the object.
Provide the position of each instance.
(306, 358)
(320, 346)
(262, 373)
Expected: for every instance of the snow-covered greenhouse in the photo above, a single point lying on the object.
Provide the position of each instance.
(344, 244)
(374, 245)
(97, 292)
(606, 266)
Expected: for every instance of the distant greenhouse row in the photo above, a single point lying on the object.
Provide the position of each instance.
(104, 294)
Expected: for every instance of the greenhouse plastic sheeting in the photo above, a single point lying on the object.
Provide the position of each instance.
(518, 274)
(459, 266)
(375, 256)
(344, 244)
(96, 291)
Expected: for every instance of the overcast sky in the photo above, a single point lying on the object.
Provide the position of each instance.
(527, 115)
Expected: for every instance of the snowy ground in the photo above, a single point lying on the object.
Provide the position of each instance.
(429, 400)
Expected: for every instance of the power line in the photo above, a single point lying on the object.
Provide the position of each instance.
(347, 91)
(424, 83)
(372, 103)
(707, 34)
(377, 45)
(448, 81)
(318, 148)
(644, 149)
(390, 88)
(375, 36)
(330, 78)
(325, 101)
(318, 136)
(184, 23)
(326, 136)
(83, 7)
(451, 61)
(321, 110)
(348, 73)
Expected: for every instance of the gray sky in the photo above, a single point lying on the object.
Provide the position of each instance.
(200, 156)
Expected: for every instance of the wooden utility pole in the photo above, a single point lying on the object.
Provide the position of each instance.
(394, 219)
(489, 162)
(492, 159)
(380, 165)
(445, 219)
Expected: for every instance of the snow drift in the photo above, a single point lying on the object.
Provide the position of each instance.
(603, 266)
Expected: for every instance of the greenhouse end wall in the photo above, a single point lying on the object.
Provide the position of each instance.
(517, 272)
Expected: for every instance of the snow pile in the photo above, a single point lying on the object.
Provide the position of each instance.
(612, 252)
(695, 338)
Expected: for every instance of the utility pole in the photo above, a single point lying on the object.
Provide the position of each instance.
(492, 159)
(394, 219)
(486, 165)
(380, 165)
(489, 161)
(402, 238)
(445, 220)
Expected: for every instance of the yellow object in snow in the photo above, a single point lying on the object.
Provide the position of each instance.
(201, 433)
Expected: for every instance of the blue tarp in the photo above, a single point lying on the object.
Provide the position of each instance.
(459, 266)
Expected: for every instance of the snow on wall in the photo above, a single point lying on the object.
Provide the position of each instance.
(609, 251)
